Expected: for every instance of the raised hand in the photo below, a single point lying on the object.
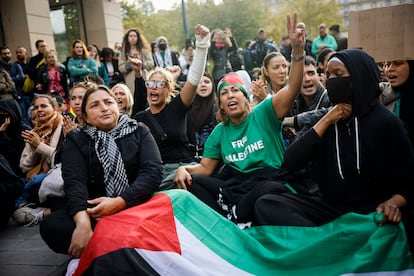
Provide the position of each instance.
(201, 30)
(68, 125)
(5, 125)
(31, 138)
(296, 35)
(202, 34)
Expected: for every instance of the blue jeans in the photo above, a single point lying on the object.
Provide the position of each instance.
(35, 180)
(24, 103)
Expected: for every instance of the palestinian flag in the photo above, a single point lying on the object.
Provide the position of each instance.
(175, 234)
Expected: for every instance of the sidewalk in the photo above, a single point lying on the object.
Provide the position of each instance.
(23, 252)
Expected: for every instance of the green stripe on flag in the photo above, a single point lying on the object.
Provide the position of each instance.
(352, 243)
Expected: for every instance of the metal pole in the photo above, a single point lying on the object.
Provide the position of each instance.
(183, 11)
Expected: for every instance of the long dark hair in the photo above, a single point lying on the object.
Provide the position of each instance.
(141, 42)
(407, 101)
(201, 110)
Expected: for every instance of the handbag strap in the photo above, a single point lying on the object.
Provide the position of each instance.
(160, 135)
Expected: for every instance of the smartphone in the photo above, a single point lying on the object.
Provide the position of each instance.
(3, 118)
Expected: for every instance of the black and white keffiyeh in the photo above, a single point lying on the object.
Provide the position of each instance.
(115, 177)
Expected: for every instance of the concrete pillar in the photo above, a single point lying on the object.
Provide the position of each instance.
(103, 22)
(24, 22)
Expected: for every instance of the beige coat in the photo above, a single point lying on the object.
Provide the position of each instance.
(129, 75)
(43, 153)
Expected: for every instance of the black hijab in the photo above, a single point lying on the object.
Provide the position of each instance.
(365, 77)
(407, 101)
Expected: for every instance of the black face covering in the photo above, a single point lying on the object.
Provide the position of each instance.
(339, 90)
(162, 47)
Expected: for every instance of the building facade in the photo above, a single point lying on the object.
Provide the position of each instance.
(360, 5)
(348, 5)
(59, 22)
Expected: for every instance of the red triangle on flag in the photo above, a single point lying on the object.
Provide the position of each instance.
(149, 226)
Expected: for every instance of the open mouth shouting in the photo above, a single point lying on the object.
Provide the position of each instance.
(154, 96)
(393, 79)
(308, 87)
(232, 105)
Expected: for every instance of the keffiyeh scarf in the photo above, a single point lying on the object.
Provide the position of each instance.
(107, 151)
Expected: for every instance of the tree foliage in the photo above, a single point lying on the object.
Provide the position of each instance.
(243, 17)
(312, 13)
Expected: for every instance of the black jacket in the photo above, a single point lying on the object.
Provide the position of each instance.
(11, 141)
(221, 60)
(83, 173)
(320, 100)
(44, 80)
(371, 149)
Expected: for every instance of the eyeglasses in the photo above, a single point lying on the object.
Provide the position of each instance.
(157, 84)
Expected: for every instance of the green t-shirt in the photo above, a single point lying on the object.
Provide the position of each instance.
(256, 143)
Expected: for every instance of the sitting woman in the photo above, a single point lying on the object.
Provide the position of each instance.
(166, 116)
(124, 98)
(11, 147)
(38, 156)
(111, 65)
(80, 64)
(102, 72)
(52, 77)
(110, 164)
(364, 155)
(75, 100)
(274, 76)
(400, 99)
(248, 142)
(201, 118)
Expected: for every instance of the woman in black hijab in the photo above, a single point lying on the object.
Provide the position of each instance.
(364, 155)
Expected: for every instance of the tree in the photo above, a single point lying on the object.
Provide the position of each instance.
(141, 14)
(244, 23)
(136, 14)
(312, 13)
(243, 17)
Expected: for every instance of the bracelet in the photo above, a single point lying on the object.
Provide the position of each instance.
(299, 58)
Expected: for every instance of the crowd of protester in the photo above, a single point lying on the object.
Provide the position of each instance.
(295, 134)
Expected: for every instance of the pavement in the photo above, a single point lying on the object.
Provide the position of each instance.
(23, 252)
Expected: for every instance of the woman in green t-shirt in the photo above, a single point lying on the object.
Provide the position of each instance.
(249, 143)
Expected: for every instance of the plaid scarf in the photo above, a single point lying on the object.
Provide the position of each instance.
(115, 177)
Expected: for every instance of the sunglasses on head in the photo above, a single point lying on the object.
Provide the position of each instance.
(157, 84)
(84, 84)
(88, 84)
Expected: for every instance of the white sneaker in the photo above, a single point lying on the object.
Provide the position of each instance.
(28, 216)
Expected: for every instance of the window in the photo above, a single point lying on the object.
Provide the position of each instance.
(65, 18)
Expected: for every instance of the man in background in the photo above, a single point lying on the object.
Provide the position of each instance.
(341, 41)
(260, 48)
(324, 40)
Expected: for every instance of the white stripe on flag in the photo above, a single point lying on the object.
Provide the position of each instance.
(196, 258)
